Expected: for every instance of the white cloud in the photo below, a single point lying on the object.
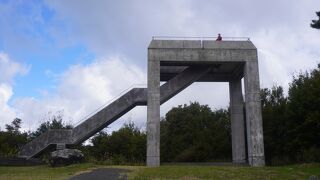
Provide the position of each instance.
(7, 114)
(81, 90)
(283, 53)
(280, 30)
(216, 95)
(8, 69)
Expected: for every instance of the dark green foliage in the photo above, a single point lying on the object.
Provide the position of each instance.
(304, 115)
(53, 122)
(194, 133)
(316, 23)
(12, 139)
(292, 124)
(14, 126)
(127, 145)
(274, 108)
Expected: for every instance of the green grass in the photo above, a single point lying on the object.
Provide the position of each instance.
(42, 172)
(303, 171)
(227, 172)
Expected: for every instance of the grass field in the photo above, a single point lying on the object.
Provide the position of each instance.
(303, 171)
(227, 172)
(42, 172)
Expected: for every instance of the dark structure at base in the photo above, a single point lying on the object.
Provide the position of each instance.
(65, 157)
(17, 161)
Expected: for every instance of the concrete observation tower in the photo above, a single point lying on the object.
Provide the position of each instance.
(186, 61)
(179, 63)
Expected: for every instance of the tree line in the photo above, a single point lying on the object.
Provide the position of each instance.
(196, 133)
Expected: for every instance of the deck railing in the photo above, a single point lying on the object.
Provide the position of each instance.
(200, 38)
(79, 121)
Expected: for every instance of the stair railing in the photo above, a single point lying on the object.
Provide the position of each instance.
(108, 103)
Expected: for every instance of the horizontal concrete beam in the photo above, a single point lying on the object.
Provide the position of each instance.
(203, 55)
(198, 44)
(220, 72)
(202, 51)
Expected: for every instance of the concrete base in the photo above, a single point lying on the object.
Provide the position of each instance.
(243, 161)
(153, 161)
(257, 161)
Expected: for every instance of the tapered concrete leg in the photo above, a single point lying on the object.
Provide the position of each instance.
(153, 113)
(237, 122)
(253, 114)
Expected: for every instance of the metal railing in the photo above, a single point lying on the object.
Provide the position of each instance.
(200, 38)
(108, 103)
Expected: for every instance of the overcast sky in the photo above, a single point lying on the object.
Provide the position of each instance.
(75, 55)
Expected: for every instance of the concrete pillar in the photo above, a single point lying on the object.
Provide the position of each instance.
(253, 114)
(237, 122)
(153, 112)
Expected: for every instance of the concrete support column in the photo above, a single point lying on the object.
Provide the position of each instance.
(153, 112)
(253, 114)
(237, 122)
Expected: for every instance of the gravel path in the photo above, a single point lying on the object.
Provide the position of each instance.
(103, 174)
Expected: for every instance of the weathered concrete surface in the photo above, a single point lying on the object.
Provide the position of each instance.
(66, 153)
(182, 80)
(253, 114)
(237, 122)
(232, 60)
(213, 51)
(153, 113)
(49, 138)
(181, 63)
(95, 123)
(109, 114)
(229, 45)
(65, 157)
(167, 90)
(220, 72)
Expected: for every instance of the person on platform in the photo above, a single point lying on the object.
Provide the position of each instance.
(219, 38)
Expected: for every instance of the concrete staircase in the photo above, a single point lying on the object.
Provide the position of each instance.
(106, 116)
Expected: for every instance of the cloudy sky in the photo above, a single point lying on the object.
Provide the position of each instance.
(75, 56)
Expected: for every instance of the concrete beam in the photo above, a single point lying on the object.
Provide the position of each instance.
(107, 115)
(253, 114)
(204, 55)
(220, 72)
(205, 51)
(197, 44)
(153, 112)
(182, 80)
(237, 122)
(48, 138)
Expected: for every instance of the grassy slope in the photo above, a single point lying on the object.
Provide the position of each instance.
(167, 172)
